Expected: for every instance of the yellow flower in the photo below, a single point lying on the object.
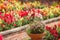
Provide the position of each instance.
(22, 18)
(1, 0)
(1, 21)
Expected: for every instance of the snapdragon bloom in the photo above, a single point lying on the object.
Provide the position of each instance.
(8, 18)
(23, 13)
(52, 31)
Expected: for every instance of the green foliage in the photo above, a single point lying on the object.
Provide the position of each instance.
(1, 28)
(44, 17)
(26, 21)
(37, 18)
(58, 29)
(48, 36)
(37, 30)
(51, 15)
(41, 7)
(56, 15)
(18, 23)
(54, 3)
(28, 31)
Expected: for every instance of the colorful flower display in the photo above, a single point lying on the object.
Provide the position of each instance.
(14, 14)
(52, 32)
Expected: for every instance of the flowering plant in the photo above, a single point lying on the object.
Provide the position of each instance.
(12, 19)
(14, 14)
(36, 27)
(51, 12)
(9, 21)
(53, 33)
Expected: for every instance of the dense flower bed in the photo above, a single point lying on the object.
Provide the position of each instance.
(14, 14)
(53, 32)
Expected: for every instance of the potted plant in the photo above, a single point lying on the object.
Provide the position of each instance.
(36, 31)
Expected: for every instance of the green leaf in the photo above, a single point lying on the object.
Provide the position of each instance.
(7, 28)
(1, 28)
(19, 23)
(48, 36)
(51, 15)
(28, 31)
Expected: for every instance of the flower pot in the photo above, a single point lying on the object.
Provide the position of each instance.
(36, 36)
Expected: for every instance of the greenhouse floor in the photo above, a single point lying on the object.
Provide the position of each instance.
(22, 35)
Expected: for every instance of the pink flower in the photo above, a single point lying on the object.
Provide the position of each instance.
(1, 16)
(1, 37)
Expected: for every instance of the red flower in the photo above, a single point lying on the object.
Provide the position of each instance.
(14, 24)
(54, 33)
(0, 12)
(33, 10)
(48, 28)
(23, 13)
(32, 15)
(39, 11)
(58, 6)
(1, 16)
(1, 37)
(8, 18)
(55, 26)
